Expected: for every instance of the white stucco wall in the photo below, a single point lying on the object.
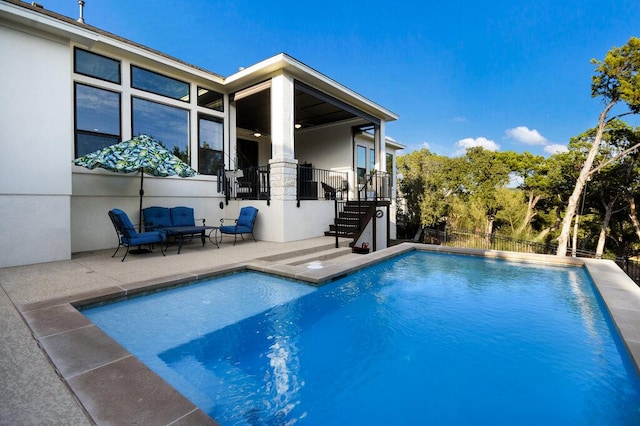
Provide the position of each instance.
(310, 220)
(35, 146)
(367, 235)
(327, 148)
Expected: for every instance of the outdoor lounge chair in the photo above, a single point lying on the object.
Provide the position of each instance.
(128, 236)
(244, 224)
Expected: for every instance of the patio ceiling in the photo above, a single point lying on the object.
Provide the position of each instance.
(312, 109)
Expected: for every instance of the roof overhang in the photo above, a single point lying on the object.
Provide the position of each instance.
(310, 78)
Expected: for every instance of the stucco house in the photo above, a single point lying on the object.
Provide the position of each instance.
(277, 135)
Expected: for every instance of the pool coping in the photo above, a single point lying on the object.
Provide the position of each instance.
(114, 387)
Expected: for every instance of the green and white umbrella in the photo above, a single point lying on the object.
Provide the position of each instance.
(140, 154)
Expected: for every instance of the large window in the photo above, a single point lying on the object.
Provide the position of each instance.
(168, 125)
(97, 118)
(98, 66)
(389, 163)
(210, 151)
(154, 104)
(159, 84)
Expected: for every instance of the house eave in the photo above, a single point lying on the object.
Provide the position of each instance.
(24, 15)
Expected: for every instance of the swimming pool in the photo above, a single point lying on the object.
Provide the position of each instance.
(427, 338)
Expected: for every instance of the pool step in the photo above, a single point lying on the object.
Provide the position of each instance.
(324, 255)
(318, 250)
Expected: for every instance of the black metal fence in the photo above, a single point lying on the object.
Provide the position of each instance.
(631, 267)
(314, 184)
(471, 239)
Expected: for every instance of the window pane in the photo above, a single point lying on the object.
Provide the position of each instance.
(97, 113)
(210, 99)
(159, 84)
(90, 142)
(97, 66)
(389, 163)
(210, 152)
(166, 124)
(372, 159)
(361, 162)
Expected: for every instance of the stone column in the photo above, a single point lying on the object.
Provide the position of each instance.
(284, 175)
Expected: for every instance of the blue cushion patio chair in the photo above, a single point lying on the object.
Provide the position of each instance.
(128, 236)
(244, 224)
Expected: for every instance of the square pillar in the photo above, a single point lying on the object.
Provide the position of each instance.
(379, 138)
(282, 117)
(283, 165)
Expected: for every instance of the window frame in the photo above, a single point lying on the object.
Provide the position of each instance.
(207, 117)
(133, 97)
(76, 49)
(77, 131)
(133, 86)
(198, 104)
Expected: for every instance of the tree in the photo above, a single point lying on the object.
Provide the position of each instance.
(617, 79)
(484, 172)
(532, 171)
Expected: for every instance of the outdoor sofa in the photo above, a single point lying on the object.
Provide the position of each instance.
(177, 222)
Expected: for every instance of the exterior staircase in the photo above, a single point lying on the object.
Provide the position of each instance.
(348, 221)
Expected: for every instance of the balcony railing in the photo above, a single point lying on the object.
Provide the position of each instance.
(251, 183)
(375, 186)
(314, 184)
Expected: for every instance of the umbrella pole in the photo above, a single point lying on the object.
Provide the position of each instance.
(140, 250)
(141, 195)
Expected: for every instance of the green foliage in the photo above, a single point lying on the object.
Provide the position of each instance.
(617, 77)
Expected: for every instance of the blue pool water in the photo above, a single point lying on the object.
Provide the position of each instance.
(418, 339)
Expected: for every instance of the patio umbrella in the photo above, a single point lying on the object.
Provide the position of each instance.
(140, 154)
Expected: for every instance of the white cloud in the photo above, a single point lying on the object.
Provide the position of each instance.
(525, 135)
(555, 148)
(425, 145)
(485, 143)
(459, 119)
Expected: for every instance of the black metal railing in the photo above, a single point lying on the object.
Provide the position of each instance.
(250, 183)
(630, 267)
(375, 186)
(314, 184)
(479, 240)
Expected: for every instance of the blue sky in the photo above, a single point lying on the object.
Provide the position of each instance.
(507, 75)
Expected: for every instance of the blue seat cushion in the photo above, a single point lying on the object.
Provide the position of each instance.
(144, 238)
(236, 229)
(182, 216)
(156, 217)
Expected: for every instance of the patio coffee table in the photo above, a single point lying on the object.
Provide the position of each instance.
(179, 233)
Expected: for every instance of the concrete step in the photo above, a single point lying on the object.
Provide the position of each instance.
(279, 258)
(320, 256)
